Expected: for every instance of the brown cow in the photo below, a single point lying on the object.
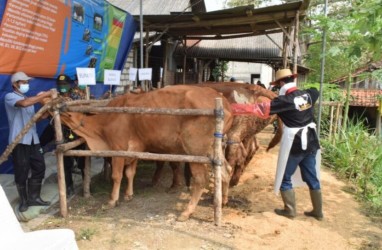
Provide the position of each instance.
(191, 135)
(241, 138)
(241, 144)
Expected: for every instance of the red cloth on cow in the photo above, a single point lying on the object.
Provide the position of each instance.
(260, 110)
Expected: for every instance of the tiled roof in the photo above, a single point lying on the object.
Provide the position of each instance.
(365, 97)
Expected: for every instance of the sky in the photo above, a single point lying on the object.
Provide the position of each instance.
(212, 5)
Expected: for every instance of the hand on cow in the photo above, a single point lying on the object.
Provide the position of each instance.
(260, 110)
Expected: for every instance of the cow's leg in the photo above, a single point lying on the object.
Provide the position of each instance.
(226, 173)
(117, 170)
(187, 175)
(176, 174)
(199, 173)
(157, 173)
(131, 169)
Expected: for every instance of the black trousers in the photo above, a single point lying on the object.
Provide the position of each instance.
(48, 136)
(28, 158)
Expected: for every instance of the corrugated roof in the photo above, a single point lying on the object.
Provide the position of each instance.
(154, 7)
(172, 18)
(248, 49)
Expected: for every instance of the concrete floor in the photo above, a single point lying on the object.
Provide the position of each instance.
(49, 191)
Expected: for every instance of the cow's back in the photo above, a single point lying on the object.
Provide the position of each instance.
(180, 134)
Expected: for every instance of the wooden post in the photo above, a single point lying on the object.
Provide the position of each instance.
(60, 160)
(165, 67)
(184, 68)
(145, 83)
(295, 42)
(218, 159)
(87, 177)
(331, 122)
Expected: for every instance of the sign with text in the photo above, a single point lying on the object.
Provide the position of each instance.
(51, 37)
(112, 77)
(86, 76)
(145, 74)
(133, 74)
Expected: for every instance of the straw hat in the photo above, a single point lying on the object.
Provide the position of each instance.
(283, 73)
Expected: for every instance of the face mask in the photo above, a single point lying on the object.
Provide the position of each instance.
(63, 89)
(82, 87)
(24, 88)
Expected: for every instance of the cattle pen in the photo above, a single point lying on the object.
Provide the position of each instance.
(88, 106)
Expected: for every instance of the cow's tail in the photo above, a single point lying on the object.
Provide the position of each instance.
(277, 138)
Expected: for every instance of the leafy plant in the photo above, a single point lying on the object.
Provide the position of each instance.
(330, 92)
(220, 70)
(356, 156)
(87, 233)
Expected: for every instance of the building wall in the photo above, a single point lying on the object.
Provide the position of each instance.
(242, 71)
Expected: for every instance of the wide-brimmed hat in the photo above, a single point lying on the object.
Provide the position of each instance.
(63, 79)
(20, 76)
(283, 73)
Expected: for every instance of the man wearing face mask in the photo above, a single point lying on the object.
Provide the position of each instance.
(27, 155)
(299, 144)
(65, 89)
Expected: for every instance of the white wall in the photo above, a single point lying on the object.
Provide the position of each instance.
(242, 71)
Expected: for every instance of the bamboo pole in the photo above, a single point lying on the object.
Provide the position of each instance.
(66, 146)
(331, 122)
(140, 155)
(60, 160)
(218, 160)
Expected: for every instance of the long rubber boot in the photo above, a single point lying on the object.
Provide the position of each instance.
(289, 204)
(22, 190)
(316, 198)
(34, 189)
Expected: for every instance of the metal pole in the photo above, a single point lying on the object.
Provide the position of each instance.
(141, 33)
(322, 71)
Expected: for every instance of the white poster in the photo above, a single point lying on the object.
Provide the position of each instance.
(112, 77)
(145, 74)
(86, 76)
(133, 74)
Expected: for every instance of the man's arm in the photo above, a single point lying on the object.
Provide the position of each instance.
(29, 101)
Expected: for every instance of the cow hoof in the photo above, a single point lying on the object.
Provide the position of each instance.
(183, 218)
(174, 189)
(225, 201)
(128, 197)
(110, 205)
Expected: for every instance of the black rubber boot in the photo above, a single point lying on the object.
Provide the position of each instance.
(34, 189)
(289, 204)
(316, 198)
(22, 190)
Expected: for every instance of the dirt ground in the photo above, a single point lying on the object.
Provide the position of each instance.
(149, 220)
